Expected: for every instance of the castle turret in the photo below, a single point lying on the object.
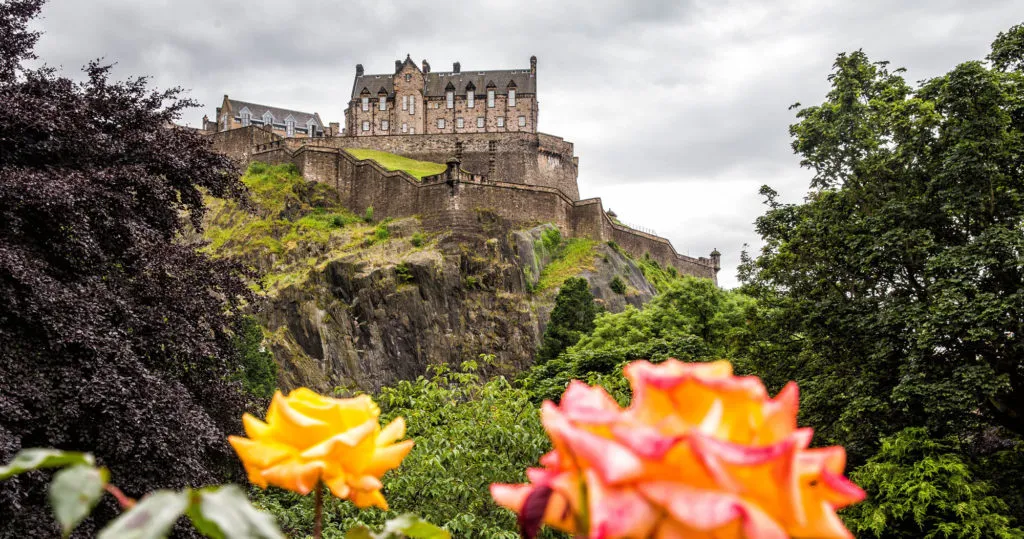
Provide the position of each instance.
(716, 259)
(359, 70)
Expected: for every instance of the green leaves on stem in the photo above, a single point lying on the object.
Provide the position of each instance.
(406, 525)
(221, 512)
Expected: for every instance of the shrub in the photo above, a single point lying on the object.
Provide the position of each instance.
(618, 285)
(368, 214)
(417, 239)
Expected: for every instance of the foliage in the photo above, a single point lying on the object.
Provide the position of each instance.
(368, 214)
(893, 293)
(417, 239)
(572, 317)
(217, 512)
(113, 336)
(922, 487)
(258, 369)
(572, 257)
(692, 320)
(468, 432)
(407, 525)
(617, 285)
(390, 161)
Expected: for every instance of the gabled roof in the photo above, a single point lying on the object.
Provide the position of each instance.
(257, 111)
(521, 79)
(436, 81)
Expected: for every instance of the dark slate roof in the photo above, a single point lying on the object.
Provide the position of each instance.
(373, 84)
(525, 83)
(301, 118)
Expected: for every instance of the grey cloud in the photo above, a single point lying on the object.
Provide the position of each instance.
(682, 101)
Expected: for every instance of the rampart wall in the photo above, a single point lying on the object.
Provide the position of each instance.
(526, 158)
(455, 199)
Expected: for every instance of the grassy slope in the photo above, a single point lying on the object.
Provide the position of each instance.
(390, 161)
(288, 215)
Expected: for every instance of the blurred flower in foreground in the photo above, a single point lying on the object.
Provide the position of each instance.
(309, 438)
(698, 453)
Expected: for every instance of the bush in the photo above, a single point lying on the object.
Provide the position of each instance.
(618, 285)
(368, 214)
(417, 239)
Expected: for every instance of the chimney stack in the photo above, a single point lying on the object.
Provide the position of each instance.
(359, 70)
(398, 66)
(426, 66)
(457, 67)
(533, 65)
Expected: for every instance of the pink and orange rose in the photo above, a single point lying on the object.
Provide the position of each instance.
(700, 453)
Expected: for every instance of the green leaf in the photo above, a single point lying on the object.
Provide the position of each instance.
(414, 527)
(360, 532)
(225, 513)
(74, 493)
(151, 518)
(35, 459)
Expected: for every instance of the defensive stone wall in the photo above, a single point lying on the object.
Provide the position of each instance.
(525, 158)
(239, 143)
(455, 200)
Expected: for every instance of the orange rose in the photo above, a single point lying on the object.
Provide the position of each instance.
(699, 453)
(309, 438)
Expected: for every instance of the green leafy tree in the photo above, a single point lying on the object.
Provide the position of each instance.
(921, 487)
(893, 293)
(572, 317)
(258, 368)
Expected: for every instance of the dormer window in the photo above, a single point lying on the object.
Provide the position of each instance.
(470, 95)
(366, 103)
(268, 119)
(490, 99)
(450, 97)
(511, 97)
(311, 128)
(383, 102)
(289, 126)
(245, 118)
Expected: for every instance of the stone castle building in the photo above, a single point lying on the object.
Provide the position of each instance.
(483, 124)
(415, 100)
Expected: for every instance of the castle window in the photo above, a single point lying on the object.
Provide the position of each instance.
(405, 102)
(522, 121)
(470, 95)
(511, 97)
(440, 123)
(383, 102)
(459, 123)
(412, 105)
(384, 125)
(480, 122)
(405, 127)
(412, 130)
(268, 119)
(366, 103)
(490, 99)
(290, 127)
(408, 77)
(501, 121)
(450, 96)
(245, 118)
(366, 126)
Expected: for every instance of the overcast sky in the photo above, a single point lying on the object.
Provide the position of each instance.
(678, 108)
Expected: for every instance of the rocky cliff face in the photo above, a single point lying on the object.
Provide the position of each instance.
(354, 305)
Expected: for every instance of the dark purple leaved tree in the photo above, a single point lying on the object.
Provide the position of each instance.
(115, 335)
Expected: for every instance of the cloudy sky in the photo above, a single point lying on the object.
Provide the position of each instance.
(678, 108)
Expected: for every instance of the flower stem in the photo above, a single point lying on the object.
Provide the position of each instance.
(318, 511)
(125, 502)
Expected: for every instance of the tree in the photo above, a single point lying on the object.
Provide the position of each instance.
(572, 317)
(258, 370)
(894, 291)
(115, 337)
